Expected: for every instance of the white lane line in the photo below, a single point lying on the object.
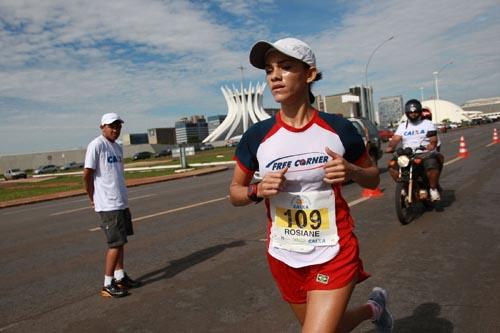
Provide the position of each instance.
(88, 207)
(172, 210)
(491, 144)
(357, 201)
(24, 209)
(70, 211)
(452, 161)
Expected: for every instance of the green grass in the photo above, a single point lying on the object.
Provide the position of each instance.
(148, 173)
(20, 190)
(206, 156)
(12, 191)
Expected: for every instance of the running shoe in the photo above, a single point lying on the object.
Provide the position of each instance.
(385, 322)
(127, 283)
(113, 290)
(435, 196)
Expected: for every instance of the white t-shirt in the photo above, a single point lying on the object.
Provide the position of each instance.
(415, 135)
(106, 159)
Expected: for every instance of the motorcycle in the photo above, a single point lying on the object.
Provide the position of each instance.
(412, 186)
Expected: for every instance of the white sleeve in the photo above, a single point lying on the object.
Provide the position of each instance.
(431, 127)
(400, 129)
(91, 156)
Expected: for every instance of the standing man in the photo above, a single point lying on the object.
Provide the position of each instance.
(105, 185)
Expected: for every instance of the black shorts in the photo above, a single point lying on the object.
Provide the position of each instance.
(117, 225)
(429, 160)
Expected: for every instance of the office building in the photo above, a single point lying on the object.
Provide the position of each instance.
(214, 122)
(134, 139)
(390, 110)
(164, 135)
(486, 105)
(191, 130)
(342, 104)
(365, 108)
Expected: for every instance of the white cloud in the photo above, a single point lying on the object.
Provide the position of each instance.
(63, 63)
(427, 35)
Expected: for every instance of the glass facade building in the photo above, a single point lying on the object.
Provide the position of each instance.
(191, 130)
(390, 110)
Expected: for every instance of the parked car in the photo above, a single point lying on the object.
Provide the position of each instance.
(72, 165)
(14, 174)
(49, 168)
(369, 133)
(385, 134)
(163, 153)
(206, 146)
(142, 155)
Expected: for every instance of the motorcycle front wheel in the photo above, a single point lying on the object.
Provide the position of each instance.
(403, 207)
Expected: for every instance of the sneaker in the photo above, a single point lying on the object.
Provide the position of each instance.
(113, 290)
(435, 196)
(385, 322)
(127, 283)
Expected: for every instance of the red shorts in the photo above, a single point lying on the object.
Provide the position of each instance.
(294, 283)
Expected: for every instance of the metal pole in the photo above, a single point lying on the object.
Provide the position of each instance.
(371, 55)
(436, 74)
(421, 94)
(368, 105)
(182, 152)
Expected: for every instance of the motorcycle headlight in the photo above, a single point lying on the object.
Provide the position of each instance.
(403, 161)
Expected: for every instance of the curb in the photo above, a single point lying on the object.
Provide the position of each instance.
(130, 183)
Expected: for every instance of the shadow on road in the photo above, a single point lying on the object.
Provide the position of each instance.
(447, 198)
(179, 265)
(425, 318)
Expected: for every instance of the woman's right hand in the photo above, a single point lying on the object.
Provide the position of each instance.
(272, 183)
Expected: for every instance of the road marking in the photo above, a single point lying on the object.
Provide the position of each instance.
(357, 201)
(88, 207)
(172, 210)
(70, 211)
(452, 161)
(491, 144)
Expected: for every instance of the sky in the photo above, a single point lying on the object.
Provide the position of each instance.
(65, 63)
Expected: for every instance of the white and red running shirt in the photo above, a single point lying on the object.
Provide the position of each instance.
(309, 221)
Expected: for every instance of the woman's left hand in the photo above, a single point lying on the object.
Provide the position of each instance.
(337, 169)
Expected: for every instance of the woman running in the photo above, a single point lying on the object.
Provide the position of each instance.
(303, 157)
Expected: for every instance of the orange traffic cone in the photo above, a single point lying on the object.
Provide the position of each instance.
(495, 136)
(372, 193)
(462, 150)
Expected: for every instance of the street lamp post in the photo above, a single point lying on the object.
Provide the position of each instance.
(436, 74)
(366, 71)
(371, 56)
(436, 87)
(421, 94)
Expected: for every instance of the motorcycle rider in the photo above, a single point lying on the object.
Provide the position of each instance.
(415, 133)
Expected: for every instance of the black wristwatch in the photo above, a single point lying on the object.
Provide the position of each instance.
(252, 193)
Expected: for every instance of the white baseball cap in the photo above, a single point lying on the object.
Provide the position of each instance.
(109, 118)
(292, 47)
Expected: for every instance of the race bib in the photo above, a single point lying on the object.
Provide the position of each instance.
(303, 220)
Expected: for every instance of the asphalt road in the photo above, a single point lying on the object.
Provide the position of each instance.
(204, 268)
